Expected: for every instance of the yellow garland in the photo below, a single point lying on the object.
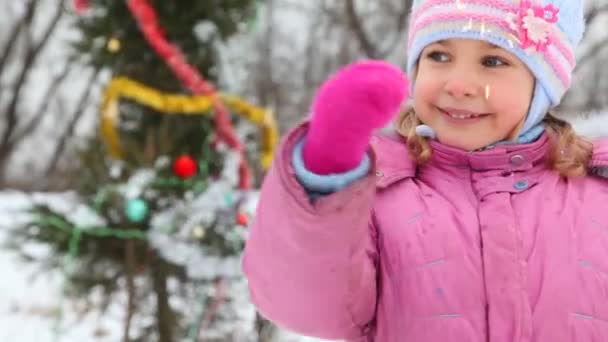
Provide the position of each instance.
(170, 103)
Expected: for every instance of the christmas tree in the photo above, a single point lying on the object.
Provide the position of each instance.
(163, 192)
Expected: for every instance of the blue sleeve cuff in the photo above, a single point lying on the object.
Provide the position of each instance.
(325, 184)
(600, 171)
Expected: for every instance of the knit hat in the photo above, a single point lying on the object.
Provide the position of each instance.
(542, 33)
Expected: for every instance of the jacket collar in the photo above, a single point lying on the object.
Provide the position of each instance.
(390, 169)
(393, 162)
(500, 157)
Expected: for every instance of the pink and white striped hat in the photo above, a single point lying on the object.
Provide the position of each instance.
(542, 33)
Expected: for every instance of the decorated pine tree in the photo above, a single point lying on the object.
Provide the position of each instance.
(164, 192)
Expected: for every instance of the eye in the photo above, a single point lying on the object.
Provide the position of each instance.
(438, 56)
(493, 62)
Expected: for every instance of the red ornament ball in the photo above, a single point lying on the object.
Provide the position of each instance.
(185, 167)
(242, 219)
(80, 6)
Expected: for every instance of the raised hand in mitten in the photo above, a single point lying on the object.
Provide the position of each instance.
(348, 107)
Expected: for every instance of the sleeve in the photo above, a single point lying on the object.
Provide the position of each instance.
(599, 160)
(311, 267)
(319, 185)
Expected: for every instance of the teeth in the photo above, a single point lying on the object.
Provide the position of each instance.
(461, 116)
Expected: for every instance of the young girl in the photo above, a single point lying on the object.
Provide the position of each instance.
(484, 219)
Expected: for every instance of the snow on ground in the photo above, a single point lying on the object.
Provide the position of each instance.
(30, 296)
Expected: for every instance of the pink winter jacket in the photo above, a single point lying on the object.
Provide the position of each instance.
(485, 246)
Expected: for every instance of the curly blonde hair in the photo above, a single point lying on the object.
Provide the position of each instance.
(570, 154)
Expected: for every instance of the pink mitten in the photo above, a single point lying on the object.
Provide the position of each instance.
(348, 107)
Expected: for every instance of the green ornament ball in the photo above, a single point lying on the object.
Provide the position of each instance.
(136, 210)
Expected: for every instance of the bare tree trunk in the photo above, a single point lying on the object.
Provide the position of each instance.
(131, 263)
(265, 330)
(209, 316)
(264, 82)
(267, 95)
(164, 315)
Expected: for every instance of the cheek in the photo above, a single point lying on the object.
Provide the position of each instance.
(512, 98)
(425, 89)
(423, 98)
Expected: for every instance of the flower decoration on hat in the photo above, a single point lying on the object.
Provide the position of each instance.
(533, 24)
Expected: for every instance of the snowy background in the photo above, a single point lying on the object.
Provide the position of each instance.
(30, 296)
(278, 63)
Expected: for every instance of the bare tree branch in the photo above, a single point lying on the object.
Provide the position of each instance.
(14, 33)
(6, 142)
(69, 131)
(266, 51)
(355, 23)
(593, 51)
(52, 89)
(594, 13)
(401, 22)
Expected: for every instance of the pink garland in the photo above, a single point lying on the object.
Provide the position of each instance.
(190, 78)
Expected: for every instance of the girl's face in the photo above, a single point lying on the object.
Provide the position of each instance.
(473, 94)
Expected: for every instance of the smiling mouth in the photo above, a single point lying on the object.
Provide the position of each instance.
(458, 114)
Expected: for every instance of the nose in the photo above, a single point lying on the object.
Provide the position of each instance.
(460, 87)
